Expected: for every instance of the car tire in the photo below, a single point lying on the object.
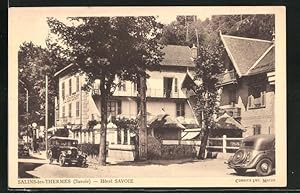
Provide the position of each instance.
(264, 167)
(61, 160)
(240, 171)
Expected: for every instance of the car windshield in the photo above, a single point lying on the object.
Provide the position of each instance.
(72, 143)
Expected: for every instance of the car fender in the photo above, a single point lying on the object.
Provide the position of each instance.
(257, 158)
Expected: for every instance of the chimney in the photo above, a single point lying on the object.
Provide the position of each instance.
(194, 51)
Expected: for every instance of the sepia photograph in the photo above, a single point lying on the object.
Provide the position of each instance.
(147, 97)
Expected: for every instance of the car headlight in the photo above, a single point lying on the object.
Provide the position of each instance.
(69, 152)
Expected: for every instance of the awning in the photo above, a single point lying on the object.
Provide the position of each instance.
(54, 129)
(190, 135)
(165, 121)
(227, 122)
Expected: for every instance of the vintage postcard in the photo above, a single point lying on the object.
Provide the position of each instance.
(147, 97)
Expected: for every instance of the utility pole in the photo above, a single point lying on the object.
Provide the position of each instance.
(46, 116)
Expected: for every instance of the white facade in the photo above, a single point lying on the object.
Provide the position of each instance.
(76, 107)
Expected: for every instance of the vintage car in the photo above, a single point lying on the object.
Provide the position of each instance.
(23, 148)
(256, 152)
(64, 150)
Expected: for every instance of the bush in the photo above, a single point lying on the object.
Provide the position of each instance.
(89, 149)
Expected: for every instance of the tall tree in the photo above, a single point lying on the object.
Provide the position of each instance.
(105, 48)
(208, 65)
(33, 64)
(253, 26)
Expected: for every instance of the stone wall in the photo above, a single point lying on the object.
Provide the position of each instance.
(157, 150)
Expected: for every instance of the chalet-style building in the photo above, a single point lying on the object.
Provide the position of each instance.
(247, 87)
(248, 83)
(75, 108)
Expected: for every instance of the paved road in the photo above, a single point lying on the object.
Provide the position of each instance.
(32, 167)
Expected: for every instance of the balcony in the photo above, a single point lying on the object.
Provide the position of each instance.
(227, 78)
(235, 112)
(154, 93)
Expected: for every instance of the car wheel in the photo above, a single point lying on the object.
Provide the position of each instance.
(264, 167)
(240, 171)
(61, 160)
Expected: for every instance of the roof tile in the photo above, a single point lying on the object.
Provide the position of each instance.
(177, 56)
(244, 52)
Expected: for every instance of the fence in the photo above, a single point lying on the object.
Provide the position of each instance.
(224, 144)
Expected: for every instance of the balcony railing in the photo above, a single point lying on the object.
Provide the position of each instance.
(227, 78)
(235, 112)
(158, 93)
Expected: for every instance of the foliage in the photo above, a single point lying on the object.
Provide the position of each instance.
(105, 48)
(253, 26)
(92, 123)
(208, 65)
(126, 123)
(34, 62)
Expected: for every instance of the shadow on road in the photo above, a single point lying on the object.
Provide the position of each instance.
(250, 174)
(30, 157)
(23, 167)
(156, 162)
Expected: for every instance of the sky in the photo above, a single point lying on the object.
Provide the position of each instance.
(29, 24)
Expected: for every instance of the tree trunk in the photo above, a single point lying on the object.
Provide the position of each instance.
(143, 142)
(102, 146)
(204, 139)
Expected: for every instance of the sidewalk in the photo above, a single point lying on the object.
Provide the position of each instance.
(40, 155)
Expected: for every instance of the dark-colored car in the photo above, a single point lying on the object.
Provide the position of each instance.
(64, 150)
(256, 152)
(23, 149)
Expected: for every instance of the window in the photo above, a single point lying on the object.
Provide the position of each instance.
(92, 117)
(168, 87)
(256, 129)
(114, 108)
(180, 111)
(77, 83)
(119, 106)
(122, 86)
(63, 111)
(70, 86)
(63, 90)
(77, 109)
(119, 136)
(175, 85)
(257, 97)
(70, 109)
(126, 136)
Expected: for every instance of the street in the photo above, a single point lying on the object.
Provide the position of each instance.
(33, 167)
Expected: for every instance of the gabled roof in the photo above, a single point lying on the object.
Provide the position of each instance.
(174, 56)
(249, 56)
(177, 56)
(63, 69)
